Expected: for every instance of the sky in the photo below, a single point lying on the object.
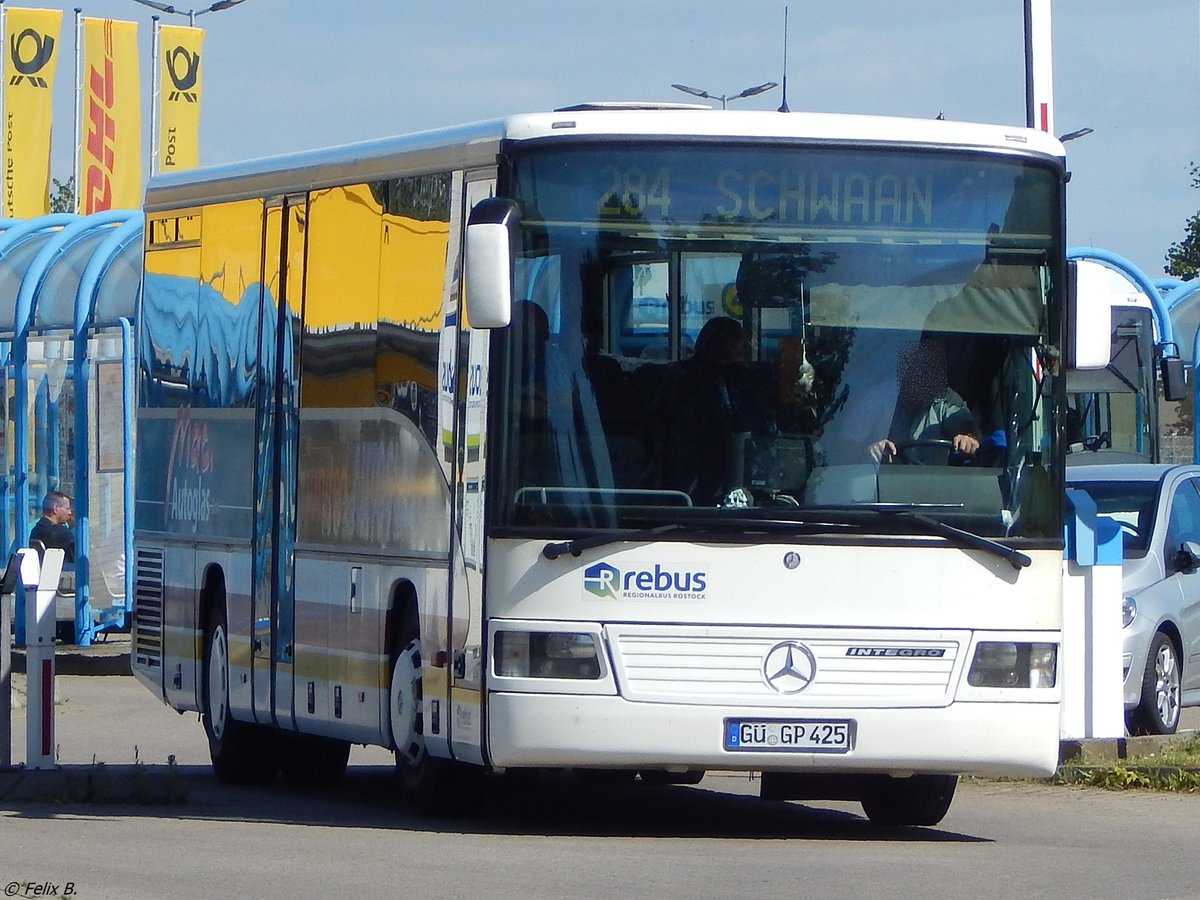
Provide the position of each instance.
(283, 75)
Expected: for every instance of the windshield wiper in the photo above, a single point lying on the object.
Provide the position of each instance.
(801, 518)
(578, 545)
(695, 524)
(1015, 558)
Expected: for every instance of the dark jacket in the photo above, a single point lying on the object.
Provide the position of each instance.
(54, 537)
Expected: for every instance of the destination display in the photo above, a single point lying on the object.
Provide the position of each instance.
(738, 185)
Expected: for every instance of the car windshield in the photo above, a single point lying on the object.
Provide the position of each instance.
(703, 328)
(1130, 503)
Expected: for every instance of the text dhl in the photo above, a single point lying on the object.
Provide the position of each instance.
(101, 139)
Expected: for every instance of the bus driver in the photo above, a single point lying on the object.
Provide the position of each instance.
(928, 410)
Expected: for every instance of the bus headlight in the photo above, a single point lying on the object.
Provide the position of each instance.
(545, 654)
(1007, 664)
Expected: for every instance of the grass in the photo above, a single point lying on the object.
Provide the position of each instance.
(1174, 766)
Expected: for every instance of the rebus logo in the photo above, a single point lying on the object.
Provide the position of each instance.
(185, 76)
(659, 583)
(29, 53)
(602, 580)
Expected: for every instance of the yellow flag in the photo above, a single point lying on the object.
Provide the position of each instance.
(31, 56)
(179, 97)
(110, 153)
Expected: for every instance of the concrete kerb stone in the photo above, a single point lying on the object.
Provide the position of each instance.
(99, 783)
(104, 657)
(1099, 752)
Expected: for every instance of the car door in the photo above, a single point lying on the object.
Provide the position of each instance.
(1183, 524)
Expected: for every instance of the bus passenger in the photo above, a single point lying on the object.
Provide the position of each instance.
(707, 413)
(927, 408)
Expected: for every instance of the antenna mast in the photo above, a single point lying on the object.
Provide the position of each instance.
(783, 107)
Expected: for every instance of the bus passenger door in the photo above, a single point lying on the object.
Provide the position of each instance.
(465, 625)
(275, 461)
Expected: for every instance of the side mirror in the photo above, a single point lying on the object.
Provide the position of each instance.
(491, 233)
(1171, 373)
(1089, 326)
(1187, 557)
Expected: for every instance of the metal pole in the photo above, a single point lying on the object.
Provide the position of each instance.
(1039, 67)
(154, 89)
(4, 210)
(6, 672)
(78, 111)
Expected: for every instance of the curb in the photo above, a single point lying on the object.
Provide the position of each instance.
(136, 784)
(1112, 750)
(111, 658)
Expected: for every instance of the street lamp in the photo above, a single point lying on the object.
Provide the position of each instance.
(1072, 135)
(696, 92)
(190, 13)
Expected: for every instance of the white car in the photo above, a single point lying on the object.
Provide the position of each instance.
(1158, 508)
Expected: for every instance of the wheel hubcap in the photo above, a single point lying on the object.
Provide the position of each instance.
(1166, 675)
(218, 682)
(408, 732)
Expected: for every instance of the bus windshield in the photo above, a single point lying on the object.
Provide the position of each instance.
(705, 329)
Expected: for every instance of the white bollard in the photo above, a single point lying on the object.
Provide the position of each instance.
(1090, 670)
(40, 582)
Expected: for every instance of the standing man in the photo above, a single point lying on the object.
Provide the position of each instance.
(53, 529)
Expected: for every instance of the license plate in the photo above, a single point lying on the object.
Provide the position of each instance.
(789, 735)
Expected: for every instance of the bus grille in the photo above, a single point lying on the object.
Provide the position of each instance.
(148, 608)
(859, 667)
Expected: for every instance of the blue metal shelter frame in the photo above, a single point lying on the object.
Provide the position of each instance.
(67, 281)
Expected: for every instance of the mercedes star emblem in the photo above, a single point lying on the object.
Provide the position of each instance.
(789, 667)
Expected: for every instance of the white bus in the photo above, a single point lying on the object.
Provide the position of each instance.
(736, 447)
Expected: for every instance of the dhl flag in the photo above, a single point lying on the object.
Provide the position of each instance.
(110, 158)
(31, 47)
(179, 97)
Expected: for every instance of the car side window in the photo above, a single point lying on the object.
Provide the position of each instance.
(1184, 523)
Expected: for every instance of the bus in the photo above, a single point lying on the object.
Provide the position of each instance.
(569, 441)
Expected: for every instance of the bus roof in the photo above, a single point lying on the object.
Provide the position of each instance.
(476, 145)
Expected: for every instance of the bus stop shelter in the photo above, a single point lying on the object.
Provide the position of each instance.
(68, 293)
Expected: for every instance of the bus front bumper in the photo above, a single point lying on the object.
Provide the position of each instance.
(987, 739)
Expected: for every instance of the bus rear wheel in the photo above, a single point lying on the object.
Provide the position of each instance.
(241, 753)
(916, 800)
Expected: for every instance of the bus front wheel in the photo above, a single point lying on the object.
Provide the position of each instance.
(432, 786)
(916, 800)
(241, 753)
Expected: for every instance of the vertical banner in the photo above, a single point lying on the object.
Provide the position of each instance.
(31, 48)
(110, 153)
(178, 138)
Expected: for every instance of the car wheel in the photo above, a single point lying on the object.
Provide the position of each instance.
(1158, 711)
